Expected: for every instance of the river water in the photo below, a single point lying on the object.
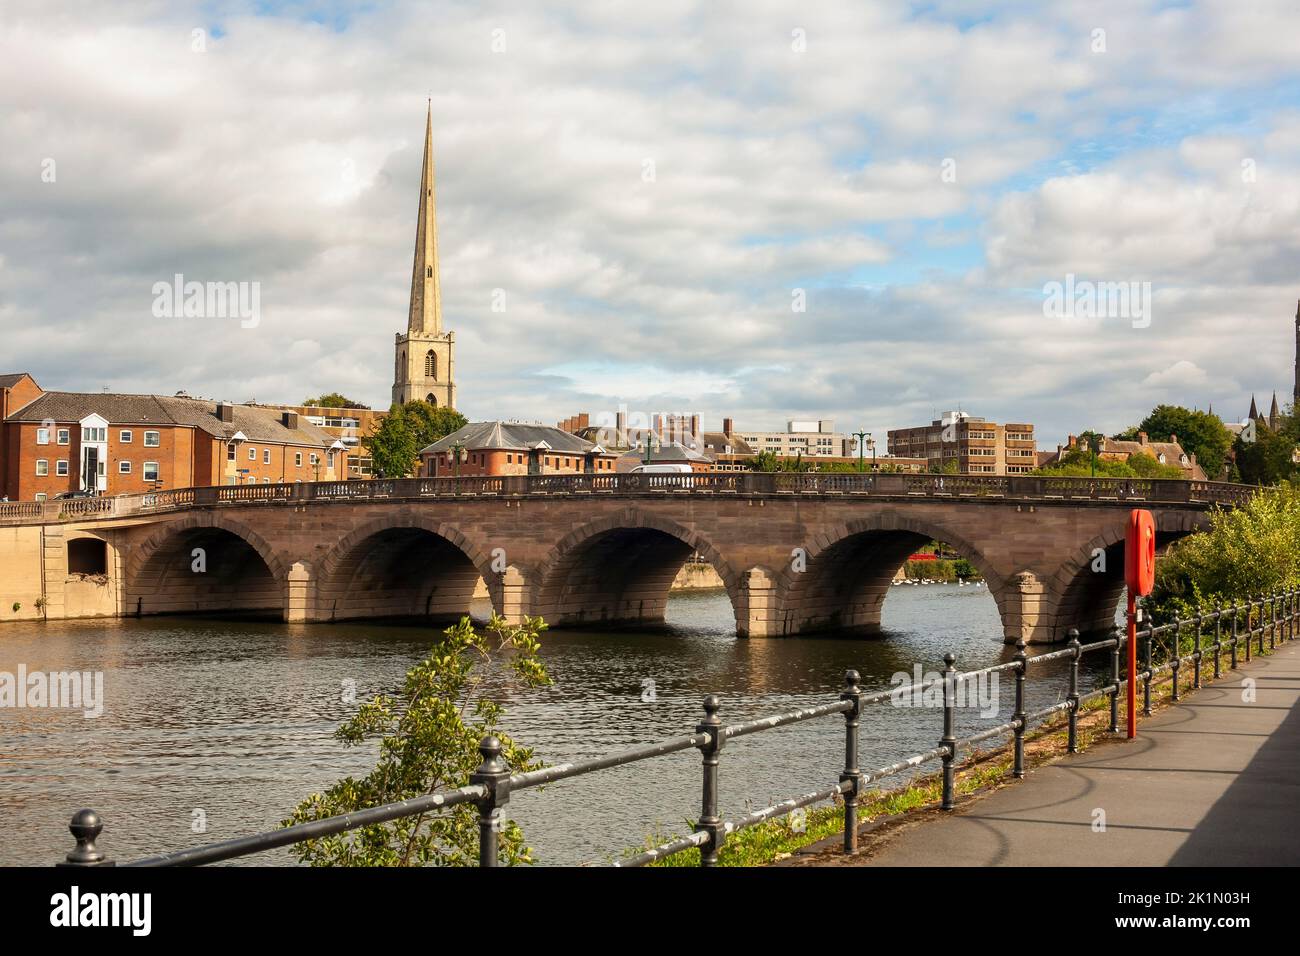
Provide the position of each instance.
(235, 719)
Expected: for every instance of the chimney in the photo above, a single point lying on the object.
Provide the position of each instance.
(728, 426)
(695, 424)
(1142, 438)
(290, 420)
(1173, 439)
(1072, 440)
(225, 412)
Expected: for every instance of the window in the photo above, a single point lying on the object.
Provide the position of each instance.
(124, 468)
(431, 364)
(42, 467)
(266, 456)
(61, 467)
(297, 458)
(94, 434)
(266, 481)
(315, 460)
(230, 452)
(152, 439)
(42, 436)
(40, 496)
(65, 436)
(151, 471)
(252, 454)
(329, 460)
(124, 436)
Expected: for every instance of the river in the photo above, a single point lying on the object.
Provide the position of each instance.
(235, 719)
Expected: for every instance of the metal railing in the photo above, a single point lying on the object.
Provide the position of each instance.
(491, 785)
(1016, 487)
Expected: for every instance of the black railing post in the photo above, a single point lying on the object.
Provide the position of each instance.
(1218, 639)
(709, 821)
(1264, 602)
(1073, 696)
(1022, 665)
(1250, 630)
(1146, 675)
(1176, 663)
(949, 741)
(86, 826)
(851, 775)
(1232, 650)
(1196, 653)
(1272, 620)
(1114, 682)
(494, 774)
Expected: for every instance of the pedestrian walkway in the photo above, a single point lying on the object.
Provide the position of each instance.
(1211, 781)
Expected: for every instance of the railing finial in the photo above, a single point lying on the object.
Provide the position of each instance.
(86, 826)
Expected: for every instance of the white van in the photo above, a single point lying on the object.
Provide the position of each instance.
(665, 470)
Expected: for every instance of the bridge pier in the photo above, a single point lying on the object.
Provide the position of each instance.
(1026, 610)
(300, 593)
(760, 616)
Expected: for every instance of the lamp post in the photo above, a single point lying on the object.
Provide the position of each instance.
(456, 449)
(1094, 445)
(862, 438)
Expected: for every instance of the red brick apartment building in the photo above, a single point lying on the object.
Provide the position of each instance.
(111, 444)
(509, 448)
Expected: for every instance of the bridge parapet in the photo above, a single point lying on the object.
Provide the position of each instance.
(1016, 487)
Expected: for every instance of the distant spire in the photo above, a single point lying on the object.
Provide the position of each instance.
(1254, 412)
(426, 295)
(1274, 414)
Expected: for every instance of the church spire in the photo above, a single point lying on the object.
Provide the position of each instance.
(426, 296)
(1254, 412)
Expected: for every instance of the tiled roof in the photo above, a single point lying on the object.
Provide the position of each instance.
(10, 379)
(720, 443)
(668, 452)
(509, 436)
(258, 423)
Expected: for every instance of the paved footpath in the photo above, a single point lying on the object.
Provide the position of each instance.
(1210, 781)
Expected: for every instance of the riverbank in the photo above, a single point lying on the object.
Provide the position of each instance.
(816, 837)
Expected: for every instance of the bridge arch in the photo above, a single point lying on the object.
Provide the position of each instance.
(841, 580)
(403, 566)
(619, 569)
(1086, 590)
(205, 563)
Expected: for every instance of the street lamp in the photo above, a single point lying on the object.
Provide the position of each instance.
(456, 449)
(861, 437)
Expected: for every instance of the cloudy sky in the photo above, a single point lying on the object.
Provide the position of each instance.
(656, 189)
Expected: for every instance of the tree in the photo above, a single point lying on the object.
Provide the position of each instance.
(765, 461)
(428, 741)
(395, 443)
(1246, 551)
(1267, 459)
(1200, 433)
(333, 400)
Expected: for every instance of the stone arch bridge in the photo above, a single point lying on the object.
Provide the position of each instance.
(798, 553)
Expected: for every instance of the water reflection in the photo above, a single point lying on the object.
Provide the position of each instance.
(235, 718)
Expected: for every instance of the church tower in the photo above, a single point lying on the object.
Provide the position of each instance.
(425, 354)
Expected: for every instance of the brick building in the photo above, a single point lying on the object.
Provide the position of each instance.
(976, 445)
(111, 444)
(510, 448)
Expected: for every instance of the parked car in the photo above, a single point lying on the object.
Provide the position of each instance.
(73, 494)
